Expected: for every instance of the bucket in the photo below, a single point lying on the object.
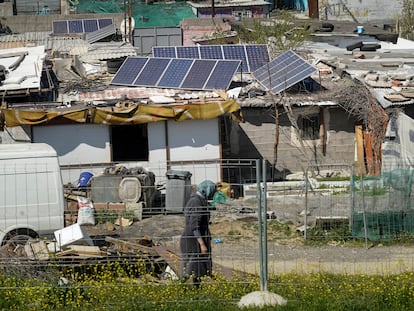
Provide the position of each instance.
(84, 178)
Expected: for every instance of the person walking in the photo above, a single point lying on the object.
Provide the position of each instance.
(195, 242)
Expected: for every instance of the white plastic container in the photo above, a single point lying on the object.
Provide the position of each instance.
(73, 234)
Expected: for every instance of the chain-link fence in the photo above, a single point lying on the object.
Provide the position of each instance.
(131, 219)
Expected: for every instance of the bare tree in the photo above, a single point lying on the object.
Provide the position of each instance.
(279, 34)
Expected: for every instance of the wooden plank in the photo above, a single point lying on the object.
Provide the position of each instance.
(360, 169)
(66, 252)
(171, 258)
(133, 245)
(87, 250)
(37, 250)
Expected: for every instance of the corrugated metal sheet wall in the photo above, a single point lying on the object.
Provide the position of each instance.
(146, 38)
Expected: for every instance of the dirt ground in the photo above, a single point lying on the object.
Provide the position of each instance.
(235, 245)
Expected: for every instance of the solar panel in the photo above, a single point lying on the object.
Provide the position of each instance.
(153, 71)
(220, 76)
(252, 56)
(283, 72)
(91, 25)
(60, 27)
(196, 74)
(80, 25)
(188, 52)
(103, 22)
(128, 71)
(211, 52)
(75, 26)
(164, 52)
(236, 52)
(257, 56)
(175, 73)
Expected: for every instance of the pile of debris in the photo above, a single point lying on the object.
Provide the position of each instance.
(73, 246)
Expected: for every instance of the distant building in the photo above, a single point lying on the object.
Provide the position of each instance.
(238, 9)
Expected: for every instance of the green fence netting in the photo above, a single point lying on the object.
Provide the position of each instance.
(382, 206)
(145, 13)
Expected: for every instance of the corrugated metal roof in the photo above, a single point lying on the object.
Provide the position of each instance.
(108, 50)
(57, 44)
(379, 94)
(69, 45)
(23, 23)
(101, 33)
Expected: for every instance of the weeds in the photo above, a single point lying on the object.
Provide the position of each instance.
(113, 289)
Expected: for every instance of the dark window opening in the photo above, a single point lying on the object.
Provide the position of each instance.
(310, 127)
(129, 142)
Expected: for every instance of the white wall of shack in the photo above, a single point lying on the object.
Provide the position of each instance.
(76, 144)
(193, 146)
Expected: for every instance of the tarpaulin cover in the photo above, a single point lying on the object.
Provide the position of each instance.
(132, 114)
(15, 117)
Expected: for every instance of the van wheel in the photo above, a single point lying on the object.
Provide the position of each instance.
(19, 237)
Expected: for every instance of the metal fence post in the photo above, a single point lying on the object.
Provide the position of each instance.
(264, 219)
(259, 220)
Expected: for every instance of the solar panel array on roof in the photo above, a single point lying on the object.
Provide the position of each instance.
(283, 72)
(252, 56)
(80, 25)
(181, 73)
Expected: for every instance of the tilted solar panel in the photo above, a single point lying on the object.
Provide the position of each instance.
(175, 73)
(220, 77)
(154, 69)
(198, 74)
(194, 74)
(257, 56)
(236, 52)
(283, 72)
(129, 71)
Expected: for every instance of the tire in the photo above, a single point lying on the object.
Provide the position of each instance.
(19, 237)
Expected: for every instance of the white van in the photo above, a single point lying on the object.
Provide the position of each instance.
(31, 192)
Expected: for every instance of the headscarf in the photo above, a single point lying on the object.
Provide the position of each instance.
(207, 189)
